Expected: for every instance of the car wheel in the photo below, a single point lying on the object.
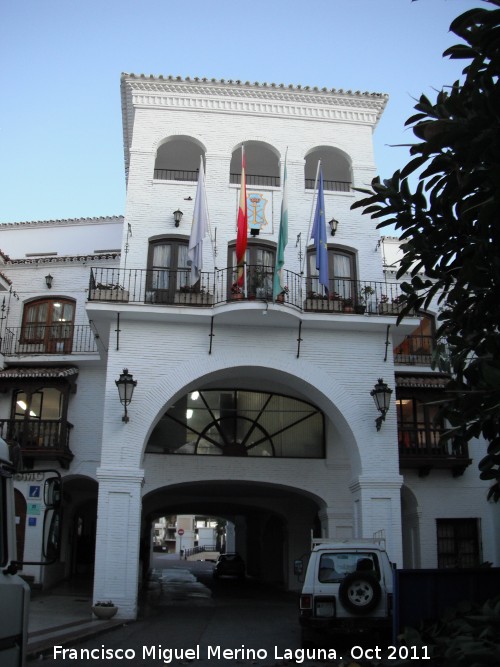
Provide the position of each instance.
(359, 593)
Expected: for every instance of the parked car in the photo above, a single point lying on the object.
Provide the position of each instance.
(229, 564)
(347, 589)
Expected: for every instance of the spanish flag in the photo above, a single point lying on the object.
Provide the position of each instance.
(242, 233)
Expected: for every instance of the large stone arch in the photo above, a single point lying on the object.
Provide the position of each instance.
(330, 395)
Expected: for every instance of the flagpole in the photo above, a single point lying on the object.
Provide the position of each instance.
(311, 216)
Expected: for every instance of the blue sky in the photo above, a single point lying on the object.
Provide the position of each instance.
(61, 151)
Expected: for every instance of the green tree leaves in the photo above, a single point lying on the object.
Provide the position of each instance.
(450, 228)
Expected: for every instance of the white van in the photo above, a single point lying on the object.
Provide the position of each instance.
(14, 591)
(347, 589)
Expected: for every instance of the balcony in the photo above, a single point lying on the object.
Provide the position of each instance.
(39, 439)
(415, 350)
(48, 339)
(170, 287)
(176, 175)
(329, 186)
(421, 448)
(252, 180)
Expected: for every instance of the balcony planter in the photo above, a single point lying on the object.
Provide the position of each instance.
(109, 294)
(193, 298)
(104, 610)
(390, 308)
(318, 304)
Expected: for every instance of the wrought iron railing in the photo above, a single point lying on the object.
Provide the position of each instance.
(176, 175)
(58, 338)
(256, 179)
(251, 179)
(174, 288)
(39, 438)
(336, 186)
(424, 443)
(415, 350)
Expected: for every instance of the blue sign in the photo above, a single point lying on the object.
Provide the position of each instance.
(34, 492)
(32, 521)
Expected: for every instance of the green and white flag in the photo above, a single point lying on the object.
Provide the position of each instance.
(278, 282)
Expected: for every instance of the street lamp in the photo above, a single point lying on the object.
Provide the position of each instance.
(178, 217)
(382, 396)
(126, 385)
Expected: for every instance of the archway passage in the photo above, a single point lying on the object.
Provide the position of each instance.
(272, 522)
(79, 527)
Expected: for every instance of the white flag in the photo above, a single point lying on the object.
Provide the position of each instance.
(199, 228)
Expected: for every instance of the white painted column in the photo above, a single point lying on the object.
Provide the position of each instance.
(116, 575)
(377, 506)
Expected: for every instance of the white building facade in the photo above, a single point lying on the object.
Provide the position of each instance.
(247, 408)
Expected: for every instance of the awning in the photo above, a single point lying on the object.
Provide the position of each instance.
(38, 373)
(427, 381)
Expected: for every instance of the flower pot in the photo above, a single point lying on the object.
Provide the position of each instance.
(104, 613)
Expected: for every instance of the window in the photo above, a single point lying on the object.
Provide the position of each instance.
(37, 416)
(458, 542)
(262, 165)
(417, 348)
(48, 325)
(168, 270)
(419, 423)
(233, 422)
(334, 566)
(336, 167)
(341, 272)
(260, 262)
(178, 159)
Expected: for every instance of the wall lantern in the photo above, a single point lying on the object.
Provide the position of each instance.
(178, 217)
(126, 385)
(382, 396)
(333, 226)
(48, 280)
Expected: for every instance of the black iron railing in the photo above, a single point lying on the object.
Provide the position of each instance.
(175, 175)
(58, 338)
(39, 438)
(256, 179)
(174, 288)
(415, 350)
(335, 186)
(421, 446)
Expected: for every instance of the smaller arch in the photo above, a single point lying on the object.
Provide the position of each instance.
(178, 158)
(262, 164)
(336, 165)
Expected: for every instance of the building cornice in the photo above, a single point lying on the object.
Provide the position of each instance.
(237, 97)
(64, 223)
(66, 259)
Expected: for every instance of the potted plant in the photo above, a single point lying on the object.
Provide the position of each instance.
(337, 301)
(348, 305)
(236, 291)
(104, 610)
(383, 305)
(316, 302)
(260, 282)
(363, 297)
(281, 296)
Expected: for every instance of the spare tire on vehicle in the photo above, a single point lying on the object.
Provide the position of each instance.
(360, 592)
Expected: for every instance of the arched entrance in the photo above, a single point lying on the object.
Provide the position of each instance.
(272, 522)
